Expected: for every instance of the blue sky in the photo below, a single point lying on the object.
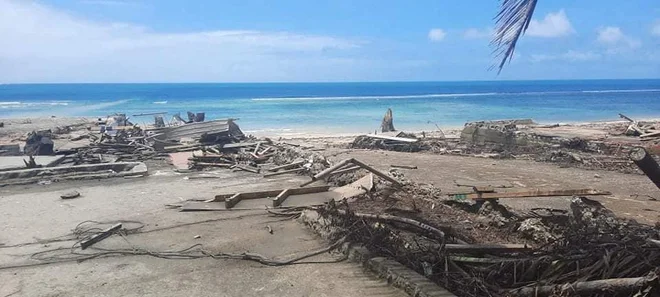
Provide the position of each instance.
(301, 40)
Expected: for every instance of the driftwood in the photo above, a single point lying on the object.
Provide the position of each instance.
(646, 163)
(343, 163)
(284, 172)
(533, 193)
(628, 286)
(344, 170)
(403, 166)
(388, 122)
(286, 166)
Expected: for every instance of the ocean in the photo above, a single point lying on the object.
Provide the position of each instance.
(333, 108)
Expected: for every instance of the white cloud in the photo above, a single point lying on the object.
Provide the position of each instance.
(437, 34)
(610, 35)
(474, 33)
(553, 25)
(655, 29)
(570, 56)
(616, 40)
(40, 43)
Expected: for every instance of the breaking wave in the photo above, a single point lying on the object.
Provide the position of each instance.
(374, 97)
(19, 104)
(448, 95)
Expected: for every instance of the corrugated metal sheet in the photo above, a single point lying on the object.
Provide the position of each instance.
(196, 130)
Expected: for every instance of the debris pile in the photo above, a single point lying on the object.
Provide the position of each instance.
(523, 139)
(489, 250)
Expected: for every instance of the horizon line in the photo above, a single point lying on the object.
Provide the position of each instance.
(322, 82)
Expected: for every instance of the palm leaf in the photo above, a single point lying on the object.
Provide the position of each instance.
(511, 23)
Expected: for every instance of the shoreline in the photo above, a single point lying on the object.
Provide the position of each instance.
(13, 125)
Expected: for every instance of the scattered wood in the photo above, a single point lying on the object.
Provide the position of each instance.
(101, 236)
(610, 287)
(390, 218)
(268, 193)
(652, 134)
(286, 166)
(297, 191)
(343, 163)
(533, 193)
(646, 163)
(211, 164)
(247, 168)
(284, 172)
(344, 170)
(486, 248)
(403, 166)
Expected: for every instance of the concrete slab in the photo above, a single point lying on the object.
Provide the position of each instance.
(37, 212)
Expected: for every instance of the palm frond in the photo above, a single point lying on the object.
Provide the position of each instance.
(511, 23)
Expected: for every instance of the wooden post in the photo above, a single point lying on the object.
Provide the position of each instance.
(646, 163)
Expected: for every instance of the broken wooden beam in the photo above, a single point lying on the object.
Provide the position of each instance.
(627, 118)
(533, 193)
(343, 163)
(652, 134)
(281, 197)
(100, 236)
(403, 166)
(286, 166)
(646, 163)
(344, 170)
(486, 248)
(233, 200)
(377, 172)
(284, 172)
(247, 168)
(239, 145)
(267, 193)
(297, 191)
(209, 164)
(609, 287)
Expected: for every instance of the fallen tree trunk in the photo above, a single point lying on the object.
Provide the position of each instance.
(646, 163)
(615, 286)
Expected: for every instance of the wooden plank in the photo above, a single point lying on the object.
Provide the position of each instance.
(281, 197)
(377, 172)
(533, 193)
(403, 166)
(233, 200)
(284, 172)
(650, 134)
(247, 168)
(100, 236)
(286, 166)
(239, 145)
(486, 248)
(270, 193)
(478, 183)
(223, 165)
(347, 169)
(399, 139)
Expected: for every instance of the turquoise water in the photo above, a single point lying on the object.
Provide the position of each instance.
(345, 107)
